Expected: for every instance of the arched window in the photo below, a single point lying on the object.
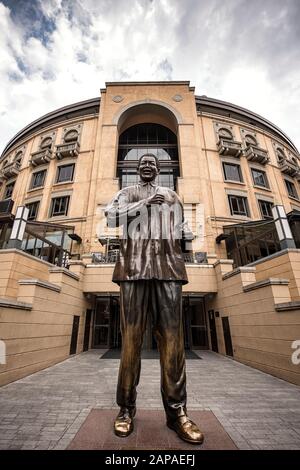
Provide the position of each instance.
(18, 158)
(148, 138)
(280, 155)
(250, 140)
(294, 160)
(71, 136)
(225, 134)
(46, 143)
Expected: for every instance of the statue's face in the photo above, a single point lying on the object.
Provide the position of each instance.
(148, 169)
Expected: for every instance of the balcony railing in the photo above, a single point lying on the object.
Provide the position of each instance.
(67, 150)
(112, 257)
(11, 170)
(256, 154)
(40, 157)
(289, 168)
(230, 148)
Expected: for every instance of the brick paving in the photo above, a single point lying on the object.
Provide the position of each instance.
(46, 410)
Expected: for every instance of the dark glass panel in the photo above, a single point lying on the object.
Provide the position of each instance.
(65, 173)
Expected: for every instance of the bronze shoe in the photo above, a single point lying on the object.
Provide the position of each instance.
(187, 430)
(123, 425)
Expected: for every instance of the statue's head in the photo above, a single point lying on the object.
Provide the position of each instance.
(148, 167)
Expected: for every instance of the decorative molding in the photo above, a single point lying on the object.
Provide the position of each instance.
(14, 304)
(287, 306)
(27, 255)
(177, 98)
(240, 270)
(223, 261)
(265, 283)
(133, 104)
(275, 255)
(117, 98)
(56, 270)
(38, 283)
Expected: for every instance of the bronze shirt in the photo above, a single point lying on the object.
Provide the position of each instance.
(151, 244)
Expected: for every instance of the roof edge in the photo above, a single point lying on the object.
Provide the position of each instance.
(212, 105)
(71, 109)
(233, 108)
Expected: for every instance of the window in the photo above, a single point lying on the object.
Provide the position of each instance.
(232, 172)
(148, 138)
(225, 134)
(33, 210)
(250, 140)
(9, 190)
(38, 179)
(265, 209)
(259, 178)
(238, 205)
(291, 189)
(18, 159)
(71, 136)
(59, 206)
(280, 155)
(46, 143)
(65, 173)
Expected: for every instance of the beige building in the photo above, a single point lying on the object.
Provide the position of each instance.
(238, 177)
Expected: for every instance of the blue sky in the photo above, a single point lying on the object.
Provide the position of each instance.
(55, 52)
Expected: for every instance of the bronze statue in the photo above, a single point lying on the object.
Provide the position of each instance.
(150, 272)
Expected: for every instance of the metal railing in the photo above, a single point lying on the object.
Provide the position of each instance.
(44, 249)
(112, 257)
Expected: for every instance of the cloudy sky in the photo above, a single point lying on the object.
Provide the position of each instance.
(56, 52)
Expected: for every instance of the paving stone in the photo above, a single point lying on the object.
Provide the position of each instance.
(46, 409)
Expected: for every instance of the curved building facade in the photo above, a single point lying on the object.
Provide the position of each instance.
(230, 167)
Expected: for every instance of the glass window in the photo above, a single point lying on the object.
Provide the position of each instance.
(238, 205)
(259, 178)
(232, 172)
(33, 210)
(266, 209)
(291, 189)
(148, 138)
(65, 173)
(38, 179)
(9, 190)
(59, 206)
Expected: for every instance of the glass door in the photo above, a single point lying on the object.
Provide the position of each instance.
(102, 323)
(198, 323)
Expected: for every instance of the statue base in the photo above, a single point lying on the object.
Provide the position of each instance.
(150, 433)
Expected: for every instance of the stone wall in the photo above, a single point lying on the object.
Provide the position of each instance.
(263, 319)
(36, 315)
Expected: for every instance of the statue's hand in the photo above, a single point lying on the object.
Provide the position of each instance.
(156, 199)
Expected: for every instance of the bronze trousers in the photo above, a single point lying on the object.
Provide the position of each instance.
(163, 300)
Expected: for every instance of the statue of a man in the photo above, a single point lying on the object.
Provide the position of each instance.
(150, 272)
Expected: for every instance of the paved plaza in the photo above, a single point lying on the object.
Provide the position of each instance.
(46, 410)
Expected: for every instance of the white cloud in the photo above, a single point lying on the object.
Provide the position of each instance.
(228, 50)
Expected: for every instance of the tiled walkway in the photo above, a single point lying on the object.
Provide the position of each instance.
(46, 409)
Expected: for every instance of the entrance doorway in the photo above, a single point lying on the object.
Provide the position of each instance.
(195, 323)
(106, 324)
(213, 331)
(227, 336)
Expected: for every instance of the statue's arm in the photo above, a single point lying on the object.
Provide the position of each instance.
(120, 209)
